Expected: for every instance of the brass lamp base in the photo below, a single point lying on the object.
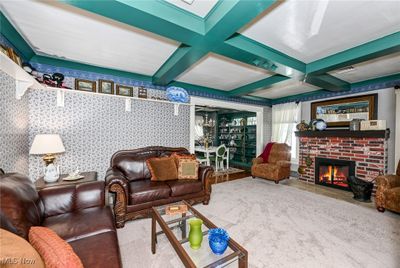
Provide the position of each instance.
(49, 159)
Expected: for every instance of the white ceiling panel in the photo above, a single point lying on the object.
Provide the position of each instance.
(371, 69)
(198, 7)
(285, 89)
(219, 72)
(66, 32)
(310, 30)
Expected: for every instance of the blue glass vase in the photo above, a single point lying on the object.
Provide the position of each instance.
(218, 240)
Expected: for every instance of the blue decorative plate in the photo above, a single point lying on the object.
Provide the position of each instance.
(177, 94)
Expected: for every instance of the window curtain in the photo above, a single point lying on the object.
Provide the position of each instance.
(284, 119)
(198, 128)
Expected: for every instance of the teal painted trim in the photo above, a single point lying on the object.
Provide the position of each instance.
(87, 67)
(177, 63)
(298, 97)
(377, 48)
(12, 35)
(376, 80)
(261, 84)
(328, 82)
(246, 44)
(153, 16)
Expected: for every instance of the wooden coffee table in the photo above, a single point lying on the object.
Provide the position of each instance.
(176, 228)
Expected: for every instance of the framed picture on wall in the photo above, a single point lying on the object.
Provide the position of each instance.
(106, 87)
(125, 91)
(339, 112)
(85, 85)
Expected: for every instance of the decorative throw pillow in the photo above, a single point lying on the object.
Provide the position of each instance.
(162, 168)
(178, 156)
(188, 169)
(55, 251)
(16, 252)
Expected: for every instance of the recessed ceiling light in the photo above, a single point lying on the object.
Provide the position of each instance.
(345, 70)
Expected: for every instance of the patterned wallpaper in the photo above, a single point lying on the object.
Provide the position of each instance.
(94, 126)
(14, 147)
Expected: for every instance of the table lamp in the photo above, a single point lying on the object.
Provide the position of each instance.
(48, 145)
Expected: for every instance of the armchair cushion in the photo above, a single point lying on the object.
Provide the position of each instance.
(146, 191)
(283, 163)
(184, 187)
(162, 168)
(388, 181)
(257, 160)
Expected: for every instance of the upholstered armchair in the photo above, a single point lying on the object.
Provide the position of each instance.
(388, 192)
(278, 166)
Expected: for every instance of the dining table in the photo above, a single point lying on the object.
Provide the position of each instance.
(210, 150)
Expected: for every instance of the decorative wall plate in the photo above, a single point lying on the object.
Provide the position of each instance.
(177, 94)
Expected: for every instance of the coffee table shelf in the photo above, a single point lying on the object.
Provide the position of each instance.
(176, 229)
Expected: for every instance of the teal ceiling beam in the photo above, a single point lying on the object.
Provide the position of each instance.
(383, 79)
(222, 22)
(157, 17)
(197, 88)
(261, 84)
(328, 82)
(177, 63)
(12, 35)
(374, 49)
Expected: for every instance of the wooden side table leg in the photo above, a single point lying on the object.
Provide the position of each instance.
(153, 234)
(243, 261)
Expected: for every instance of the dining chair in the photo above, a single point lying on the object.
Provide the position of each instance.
(221, 155)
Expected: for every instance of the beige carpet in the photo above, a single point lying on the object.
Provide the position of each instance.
(282, 226)
(228, 171)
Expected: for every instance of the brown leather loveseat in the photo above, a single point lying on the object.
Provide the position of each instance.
(77, 213)
(278, 166)
(135, 194)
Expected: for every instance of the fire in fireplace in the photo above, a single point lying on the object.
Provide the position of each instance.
(333, 172)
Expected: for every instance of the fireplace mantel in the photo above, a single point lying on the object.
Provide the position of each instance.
(341, 133)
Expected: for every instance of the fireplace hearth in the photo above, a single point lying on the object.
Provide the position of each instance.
(333, 172)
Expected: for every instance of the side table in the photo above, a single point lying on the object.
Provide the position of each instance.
(88, 177)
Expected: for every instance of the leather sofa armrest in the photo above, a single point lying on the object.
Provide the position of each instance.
(205, 173)
(387, 181)
(118, 184)
(283, 163)
(257, 160)
(67, 198)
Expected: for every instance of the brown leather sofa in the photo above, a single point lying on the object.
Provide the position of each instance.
(278, 166)
(77, 213)
(388, 192)
(135, 194)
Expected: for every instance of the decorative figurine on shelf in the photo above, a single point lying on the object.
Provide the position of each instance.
(218, 240)
(195, 233)
(302, 126)
(58, 79)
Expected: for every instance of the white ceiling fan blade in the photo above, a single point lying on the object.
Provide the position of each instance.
(318, 17)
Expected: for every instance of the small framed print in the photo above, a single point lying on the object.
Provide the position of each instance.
(142, 92)
(4, 50)
(11, 54)
(18, 60)
(125, 91)
(85, 85)
(106, 87)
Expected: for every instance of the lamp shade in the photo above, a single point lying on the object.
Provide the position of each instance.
(47, 144)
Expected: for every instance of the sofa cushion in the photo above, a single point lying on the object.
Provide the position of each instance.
(81, 223)
(93, 255)
(188, 169)
(55, 251)
(146, 191)
(184, 187)
(162, 168)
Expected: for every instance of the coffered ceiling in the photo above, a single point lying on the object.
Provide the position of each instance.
(261, 49)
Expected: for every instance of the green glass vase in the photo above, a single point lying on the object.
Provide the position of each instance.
(195, 233)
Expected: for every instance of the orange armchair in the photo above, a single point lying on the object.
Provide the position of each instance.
(278, 166)
(388, 192)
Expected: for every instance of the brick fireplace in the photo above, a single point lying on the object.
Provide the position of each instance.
(366, 149)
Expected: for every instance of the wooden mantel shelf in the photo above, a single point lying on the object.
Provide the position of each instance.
(341, 133)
